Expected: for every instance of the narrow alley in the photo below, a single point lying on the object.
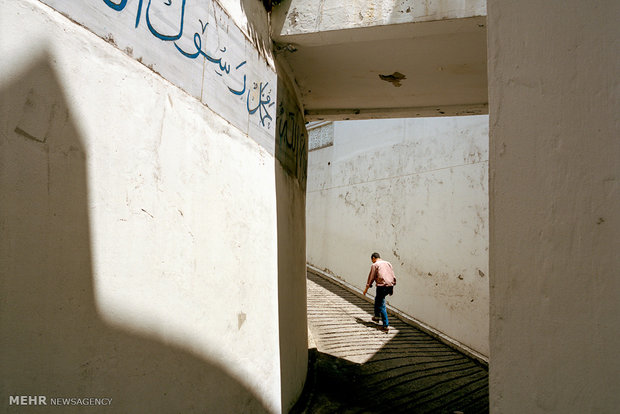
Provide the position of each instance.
(356, 368)
(170, 170)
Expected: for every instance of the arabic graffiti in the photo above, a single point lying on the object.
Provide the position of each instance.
(117, 7)
(264, 101)
(258, 96)
(292, 141)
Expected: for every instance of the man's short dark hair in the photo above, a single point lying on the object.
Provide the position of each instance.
(375, 255)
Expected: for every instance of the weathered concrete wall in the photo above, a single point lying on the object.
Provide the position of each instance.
(198, 47)
(291, 283)
(291, 169)
(140, 225)
(555, 197)
(415, 190)
(308, 16)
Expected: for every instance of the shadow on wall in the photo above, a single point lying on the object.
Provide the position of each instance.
(53, 342)
(258, 25)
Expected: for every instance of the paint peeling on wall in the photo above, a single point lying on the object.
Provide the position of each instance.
(394, 78)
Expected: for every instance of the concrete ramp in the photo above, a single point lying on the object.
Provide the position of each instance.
(356, 368)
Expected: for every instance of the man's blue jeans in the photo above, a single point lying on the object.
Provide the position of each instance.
(382, 292)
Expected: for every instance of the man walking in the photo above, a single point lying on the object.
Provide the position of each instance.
(382, 273)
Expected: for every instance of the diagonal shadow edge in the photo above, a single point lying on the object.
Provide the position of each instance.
(54, 342)
(411, 372)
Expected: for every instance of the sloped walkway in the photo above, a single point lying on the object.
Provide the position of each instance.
(356, 368)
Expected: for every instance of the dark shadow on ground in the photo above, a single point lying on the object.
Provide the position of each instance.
(411, 372)
(368, 324)
(52, 340)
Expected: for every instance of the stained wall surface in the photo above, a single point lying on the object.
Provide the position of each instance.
(295, 17)
(291, 169)
(139, 213)
(555, 197)
(414, 190)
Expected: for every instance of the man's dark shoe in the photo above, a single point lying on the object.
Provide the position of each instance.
(376, 318)
(385, 329)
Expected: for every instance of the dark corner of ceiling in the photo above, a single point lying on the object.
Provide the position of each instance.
(270, 3)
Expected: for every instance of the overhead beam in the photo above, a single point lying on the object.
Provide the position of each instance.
(329, 114)
(383, 59)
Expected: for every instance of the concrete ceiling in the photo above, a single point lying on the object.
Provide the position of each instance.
(409, 69)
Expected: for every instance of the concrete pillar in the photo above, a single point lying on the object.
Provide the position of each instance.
(143, 209)
(554, 203)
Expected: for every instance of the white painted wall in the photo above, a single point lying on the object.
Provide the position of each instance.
(140, 239)
(197, 46)
(291, 169)
(555, 197)
(292, 288)
(415, 190)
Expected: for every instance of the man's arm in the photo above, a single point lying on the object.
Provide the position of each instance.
(371, 278)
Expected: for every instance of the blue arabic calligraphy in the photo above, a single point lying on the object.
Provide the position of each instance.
(258, 99)
(263, 103)
(118, 7)
(162, 36)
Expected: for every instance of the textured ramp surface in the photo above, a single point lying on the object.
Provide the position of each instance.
(357, 368)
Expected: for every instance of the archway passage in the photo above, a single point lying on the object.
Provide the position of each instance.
(397, 60)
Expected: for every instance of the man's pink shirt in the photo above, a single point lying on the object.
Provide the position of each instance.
(382, 273)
